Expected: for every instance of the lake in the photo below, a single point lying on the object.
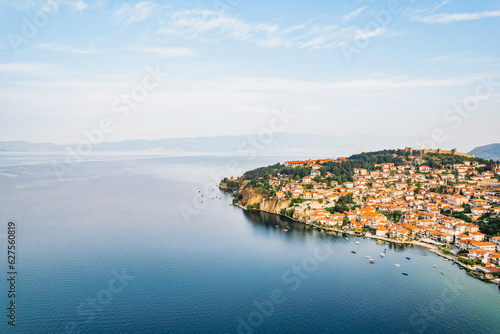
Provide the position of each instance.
(128, 244)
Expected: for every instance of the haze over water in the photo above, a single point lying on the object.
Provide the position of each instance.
(215, 272)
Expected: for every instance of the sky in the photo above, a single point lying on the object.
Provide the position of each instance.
(117, 70)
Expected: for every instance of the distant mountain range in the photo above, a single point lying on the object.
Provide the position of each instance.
(288, 144)
(280, 144)
(488, 152)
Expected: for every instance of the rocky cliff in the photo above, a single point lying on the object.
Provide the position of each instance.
(272, 205)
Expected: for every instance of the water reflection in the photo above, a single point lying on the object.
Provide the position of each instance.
(282, 225)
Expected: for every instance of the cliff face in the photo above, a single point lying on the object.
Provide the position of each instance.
(274, 205)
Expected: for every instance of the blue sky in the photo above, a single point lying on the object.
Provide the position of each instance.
(383, 68)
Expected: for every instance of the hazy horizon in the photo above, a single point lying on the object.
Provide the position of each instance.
(428, 70)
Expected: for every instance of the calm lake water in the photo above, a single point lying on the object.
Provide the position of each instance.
(123, 244)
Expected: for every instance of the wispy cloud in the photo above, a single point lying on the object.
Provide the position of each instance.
(349, 16)
(53, 47)
(165, 51)
(28, 68)
(78, 6)
(447, 18)
(130, 14)
(445, 2)
(208, 25)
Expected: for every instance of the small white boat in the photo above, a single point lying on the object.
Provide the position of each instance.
(397, 265)
(285, 229)
(382, 255)
(372, 261)
(368, 257)
(434, 266)
(346, 238)
(358, 242)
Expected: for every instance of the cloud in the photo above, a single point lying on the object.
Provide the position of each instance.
(130, 14)
(78, 6)
(50, 46)
(28, 68)
(165, 51)
(447, 18)
(349, 16)
(445, 2)
(211, 26)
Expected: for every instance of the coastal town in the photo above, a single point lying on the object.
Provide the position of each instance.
(406, 201)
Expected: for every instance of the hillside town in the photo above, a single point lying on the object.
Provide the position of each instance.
(402, 203)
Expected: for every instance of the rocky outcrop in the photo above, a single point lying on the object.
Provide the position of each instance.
(271, 205)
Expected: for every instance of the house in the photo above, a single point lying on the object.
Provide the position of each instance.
(446, 237)
(477, 236)
(478, 254)
(424, 169)
(495, 258)
(496, 241)
(486, 246)
(306, 180)
(381, 232)
(457, 200)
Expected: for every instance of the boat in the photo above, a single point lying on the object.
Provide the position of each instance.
(407, 258)
(382, 255)
(372, 261)
(397, 265)
(353, 252)
(358, 242)
(434, 266)
(442, 273)
(405, 274)
(346, 238)
(446, 260)
(368, 257)
(285, 229)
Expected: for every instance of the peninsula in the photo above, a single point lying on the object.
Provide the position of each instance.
(444, 200)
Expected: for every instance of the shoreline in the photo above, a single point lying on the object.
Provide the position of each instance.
(432, 248)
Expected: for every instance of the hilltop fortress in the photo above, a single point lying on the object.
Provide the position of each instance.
(438, 151)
